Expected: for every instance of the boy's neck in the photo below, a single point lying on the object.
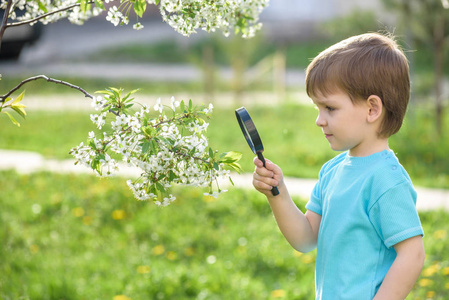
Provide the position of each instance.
(377, 145)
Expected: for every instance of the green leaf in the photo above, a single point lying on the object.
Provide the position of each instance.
(182, 106)
(145, 147)
(211, 153)
(154, 146)
(171, 176)
(125, 99)
(160, 187)
(19, 110)
(236, 167)
(18, 99)
(157, 2)
(230, 157)
(116, 92)
(14, 121)
(216, 167)
(42, 7)
(99, 4)
(139, 7)
(106, 92)
(91, 143)
(83, 5)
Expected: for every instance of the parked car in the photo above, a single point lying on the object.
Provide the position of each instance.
(15, 38)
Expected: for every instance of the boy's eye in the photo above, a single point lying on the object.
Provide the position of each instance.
(328, 108)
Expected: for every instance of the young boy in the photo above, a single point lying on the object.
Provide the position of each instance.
(361, 215)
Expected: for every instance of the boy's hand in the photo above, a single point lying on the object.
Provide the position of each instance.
(264, 179)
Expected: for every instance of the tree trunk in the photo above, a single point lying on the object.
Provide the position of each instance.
(438, 42)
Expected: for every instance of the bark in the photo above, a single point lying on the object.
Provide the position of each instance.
(438, 70)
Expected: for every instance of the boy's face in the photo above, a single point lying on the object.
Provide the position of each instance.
(344, 123)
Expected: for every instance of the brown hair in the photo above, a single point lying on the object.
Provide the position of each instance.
(361, 66)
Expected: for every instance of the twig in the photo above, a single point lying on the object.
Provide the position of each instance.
(4, 97)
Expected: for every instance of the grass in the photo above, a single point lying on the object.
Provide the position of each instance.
(69, 237)
(290, 137)
(79, 237)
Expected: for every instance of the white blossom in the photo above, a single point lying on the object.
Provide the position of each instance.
(165, 154)
(138, 26)
(114, 16)
(158, 106)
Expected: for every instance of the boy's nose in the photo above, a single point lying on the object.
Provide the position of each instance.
(320, 121)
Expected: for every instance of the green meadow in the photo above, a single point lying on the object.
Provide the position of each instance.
(81, 237)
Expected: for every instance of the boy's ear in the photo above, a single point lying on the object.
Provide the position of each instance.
(375, 108)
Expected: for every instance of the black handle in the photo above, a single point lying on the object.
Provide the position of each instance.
(274, 190)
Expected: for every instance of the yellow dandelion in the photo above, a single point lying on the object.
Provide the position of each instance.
(440, 234)
(121, 297)
(425, 282)
(189, 251)
(307, 259)
(278, 293)
(171, 255)
(208, 199)
(445, 271)
(143, 269)
(430, 294)
(297, 253)
(34, 248)
(431, 270)
(118, 214)
(87, 220)
(78, 212)
(158, 250)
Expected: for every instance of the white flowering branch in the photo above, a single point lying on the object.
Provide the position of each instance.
(186, 16)
(37, 18)
(166, 150)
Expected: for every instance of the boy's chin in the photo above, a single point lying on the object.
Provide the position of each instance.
(338, 148)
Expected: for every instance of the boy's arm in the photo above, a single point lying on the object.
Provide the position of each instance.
(404, 271)
(300, 230)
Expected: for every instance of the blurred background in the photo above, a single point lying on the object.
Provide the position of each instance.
(67, 236)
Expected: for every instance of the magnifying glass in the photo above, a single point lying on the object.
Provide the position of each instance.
(252, 137)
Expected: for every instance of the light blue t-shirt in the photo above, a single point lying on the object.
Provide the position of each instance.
(367, 204)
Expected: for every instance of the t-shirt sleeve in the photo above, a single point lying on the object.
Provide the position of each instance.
(394, 215)
(315, 202)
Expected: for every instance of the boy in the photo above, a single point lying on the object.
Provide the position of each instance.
(361, 215)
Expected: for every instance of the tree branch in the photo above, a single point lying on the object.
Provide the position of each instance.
(4, 97)
(4, 21)
(45, 15)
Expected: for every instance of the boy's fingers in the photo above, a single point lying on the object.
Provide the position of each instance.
(258, 162)
(267, 181)
(263, 171)
(262, 186)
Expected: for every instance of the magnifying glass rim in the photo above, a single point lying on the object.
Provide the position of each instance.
(249, 130)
